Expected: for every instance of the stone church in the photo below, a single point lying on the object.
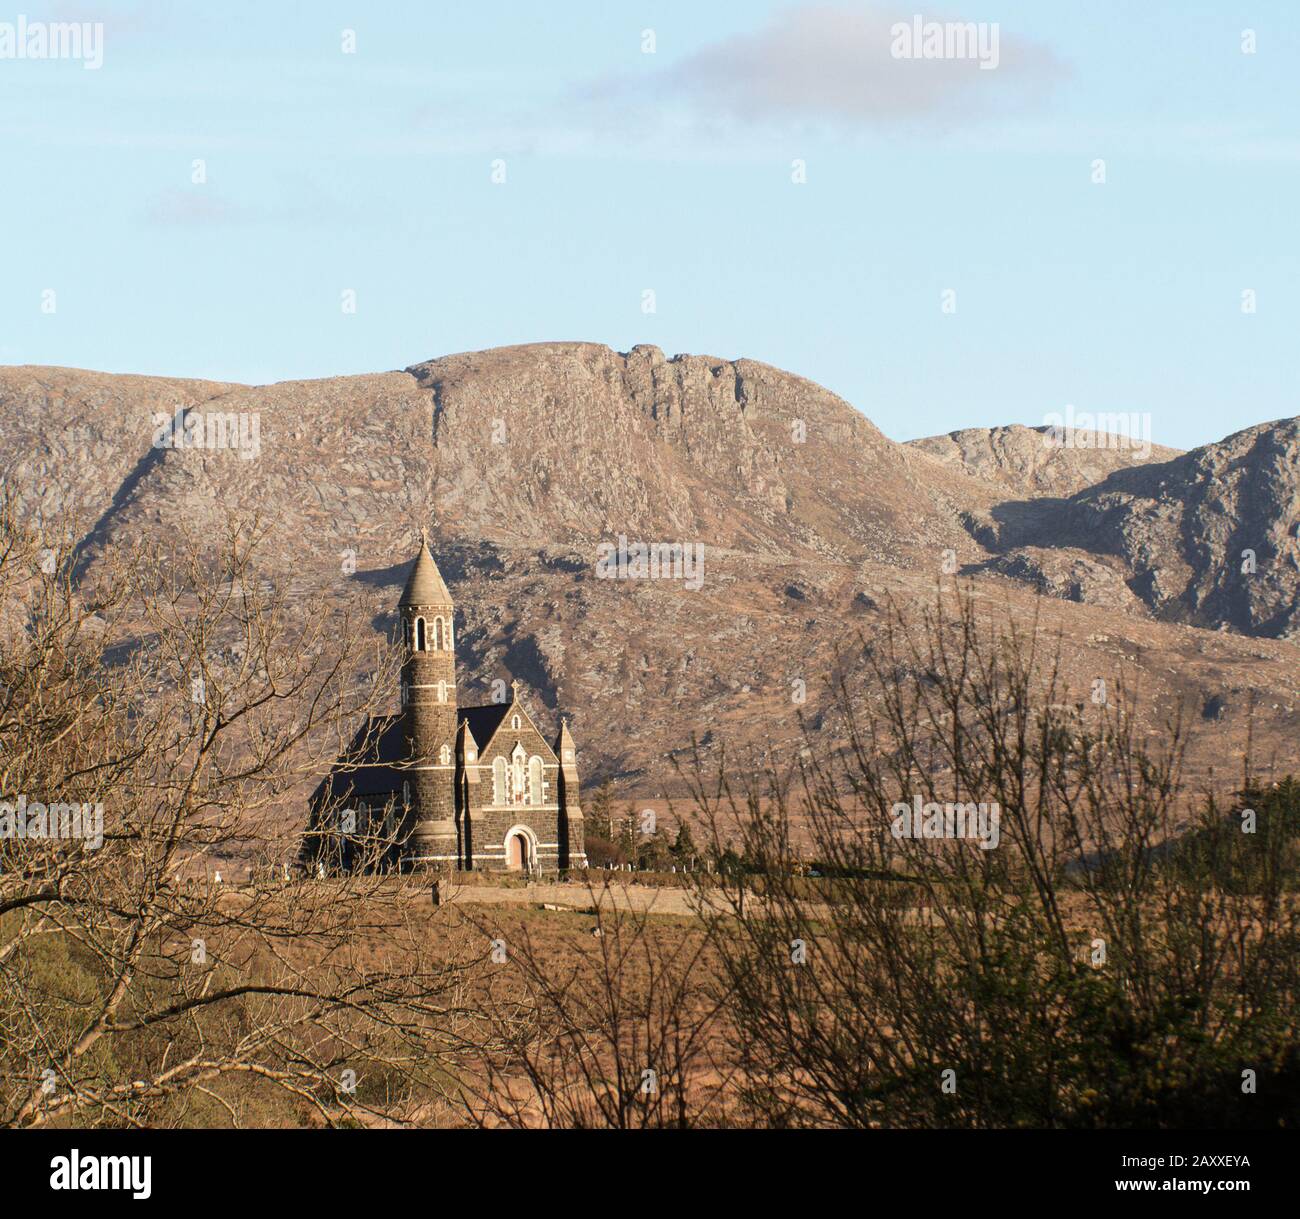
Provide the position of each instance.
(450, 786)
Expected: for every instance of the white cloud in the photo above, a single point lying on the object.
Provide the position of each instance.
(199, 207)
(301, 200)
(831, 65)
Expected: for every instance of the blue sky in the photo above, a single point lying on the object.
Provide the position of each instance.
(671, 171)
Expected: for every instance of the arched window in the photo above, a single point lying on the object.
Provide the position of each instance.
(518, 776)
(515, 721)
(535, 785)
(406, 632)
(442, 691)
(419, 635)
(439, 640)
(500, 782)
(444, 755)
(406, 694)
(406, 792)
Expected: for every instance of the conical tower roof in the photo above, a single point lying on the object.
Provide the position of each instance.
(425, 584)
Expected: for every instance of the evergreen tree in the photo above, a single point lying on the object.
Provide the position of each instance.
(600, 813)
(683, 849)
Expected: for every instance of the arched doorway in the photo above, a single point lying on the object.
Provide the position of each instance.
(521, 854)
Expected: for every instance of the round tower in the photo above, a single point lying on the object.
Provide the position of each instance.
(429, 715)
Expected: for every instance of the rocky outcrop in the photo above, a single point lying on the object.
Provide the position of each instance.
(577, 441)
(1211, 538)
(72, 443)
(1068, 574)
(1038, 461)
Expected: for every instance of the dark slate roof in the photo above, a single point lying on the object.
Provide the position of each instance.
(483, 721)
(425, 585)
(373, 772)
(377, 772)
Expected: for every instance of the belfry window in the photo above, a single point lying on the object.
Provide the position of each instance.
(419, 635)
(439, 635)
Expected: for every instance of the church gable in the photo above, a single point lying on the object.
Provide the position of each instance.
(516, 727)
(518, 769)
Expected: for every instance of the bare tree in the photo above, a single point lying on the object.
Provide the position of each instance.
(178, 699)
(1112, 951)
(619, 1027)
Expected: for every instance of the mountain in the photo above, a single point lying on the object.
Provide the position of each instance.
(1210, 538)
(525, 461)
(1026, 461)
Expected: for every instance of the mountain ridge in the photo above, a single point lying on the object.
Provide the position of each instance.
(522, 460)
